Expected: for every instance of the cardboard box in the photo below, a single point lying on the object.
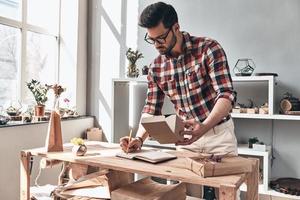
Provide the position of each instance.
(203, 166)
(94, 134)
(165, 130)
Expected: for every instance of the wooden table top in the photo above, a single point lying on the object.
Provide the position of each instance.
(102, 155)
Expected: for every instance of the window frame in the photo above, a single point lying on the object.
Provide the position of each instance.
(24, 27)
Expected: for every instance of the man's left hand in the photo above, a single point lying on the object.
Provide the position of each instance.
(194, 130)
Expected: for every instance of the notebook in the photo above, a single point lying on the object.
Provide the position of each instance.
(152, 156)
(166, 130)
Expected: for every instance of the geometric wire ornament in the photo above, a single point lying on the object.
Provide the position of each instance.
(244, 67)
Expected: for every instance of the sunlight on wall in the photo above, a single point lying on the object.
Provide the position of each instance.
(68, 51)
(113, 10)
(131, 24)
(118, 30)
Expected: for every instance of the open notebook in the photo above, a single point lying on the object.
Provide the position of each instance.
(152, 156)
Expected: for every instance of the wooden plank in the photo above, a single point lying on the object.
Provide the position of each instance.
(24, 176)
(117, 179)
(148, 189)
(252, 181)
(227, 192)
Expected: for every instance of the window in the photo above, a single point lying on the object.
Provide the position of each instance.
(9, 63)
(29, 46)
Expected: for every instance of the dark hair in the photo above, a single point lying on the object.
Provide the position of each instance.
(158, 12)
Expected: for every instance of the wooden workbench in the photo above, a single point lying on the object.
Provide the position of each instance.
(102, 155)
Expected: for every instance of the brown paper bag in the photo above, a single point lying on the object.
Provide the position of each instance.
(54, 141)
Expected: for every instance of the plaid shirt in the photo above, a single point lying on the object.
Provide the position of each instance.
(194, 81)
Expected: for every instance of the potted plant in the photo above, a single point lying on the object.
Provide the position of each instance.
(79, 148)
(132, 57)
(39, 92)
(252, 141)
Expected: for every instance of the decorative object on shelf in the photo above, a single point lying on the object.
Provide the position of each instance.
(14, 108)
(239, 109)
(3, 120)
(79, 148)
(261, 147)
(244, 67)
(250, 108)
(266, 74)
(27, 115)
(289, 104)
(145, 70)
(264, 109)
(54, 136)
(39, 92)
(132, 57)
(252, 141)
(68, 112)
(286, 185)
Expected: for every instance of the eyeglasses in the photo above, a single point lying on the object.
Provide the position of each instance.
(160, 39)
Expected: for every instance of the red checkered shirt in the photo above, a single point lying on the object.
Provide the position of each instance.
(194, 81)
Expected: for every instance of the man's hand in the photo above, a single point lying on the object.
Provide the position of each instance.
(194, 130)
(134, 145)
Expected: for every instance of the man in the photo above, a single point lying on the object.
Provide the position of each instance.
(193, 72)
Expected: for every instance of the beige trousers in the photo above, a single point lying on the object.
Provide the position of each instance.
(220, 139)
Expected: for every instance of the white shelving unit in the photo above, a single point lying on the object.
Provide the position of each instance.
(271, 84)
(266, 156)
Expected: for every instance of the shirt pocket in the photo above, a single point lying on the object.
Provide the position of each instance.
(195, 77)
(169, 88)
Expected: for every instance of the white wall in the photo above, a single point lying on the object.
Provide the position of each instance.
(17, 138)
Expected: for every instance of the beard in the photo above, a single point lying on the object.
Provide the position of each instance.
(167, 50)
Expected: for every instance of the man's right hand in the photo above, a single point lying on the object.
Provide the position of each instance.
(134, 145)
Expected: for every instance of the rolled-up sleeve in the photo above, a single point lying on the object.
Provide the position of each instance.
(219, 73)
(155, 97)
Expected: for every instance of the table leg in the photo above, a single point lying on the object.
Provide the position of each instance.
(227, 192)
(252, 181)
(24, 176)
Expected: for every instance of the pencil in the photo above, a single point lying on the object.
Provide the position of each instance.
(129, 140)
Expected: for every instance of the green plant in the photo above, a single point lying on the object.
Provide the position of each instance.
(132, 57)
(252, 141)
(39, 91)
(77, 141)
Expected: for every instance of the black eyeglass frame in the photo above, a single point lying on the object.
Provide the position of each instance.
(160, 39)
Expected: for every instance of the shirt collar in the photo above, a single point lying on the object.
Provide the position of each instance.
(186, 45)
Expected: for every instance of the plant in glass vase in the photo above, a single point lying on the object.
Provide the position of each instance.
(132, 57)
(39, 92)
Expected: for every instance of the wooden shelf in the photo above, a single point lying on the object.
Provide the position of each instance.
(266, 116)
(270, 192)
(252, 78)
(244, 150)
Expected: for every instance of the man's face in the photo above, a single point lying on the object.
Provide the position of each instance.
(163, 38)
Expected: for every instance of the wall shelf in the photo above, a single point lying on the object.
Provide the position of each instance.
(265, 116)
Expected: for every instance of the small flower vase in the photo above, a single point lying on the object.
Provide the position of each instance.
(79, 150)
(133, 71)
